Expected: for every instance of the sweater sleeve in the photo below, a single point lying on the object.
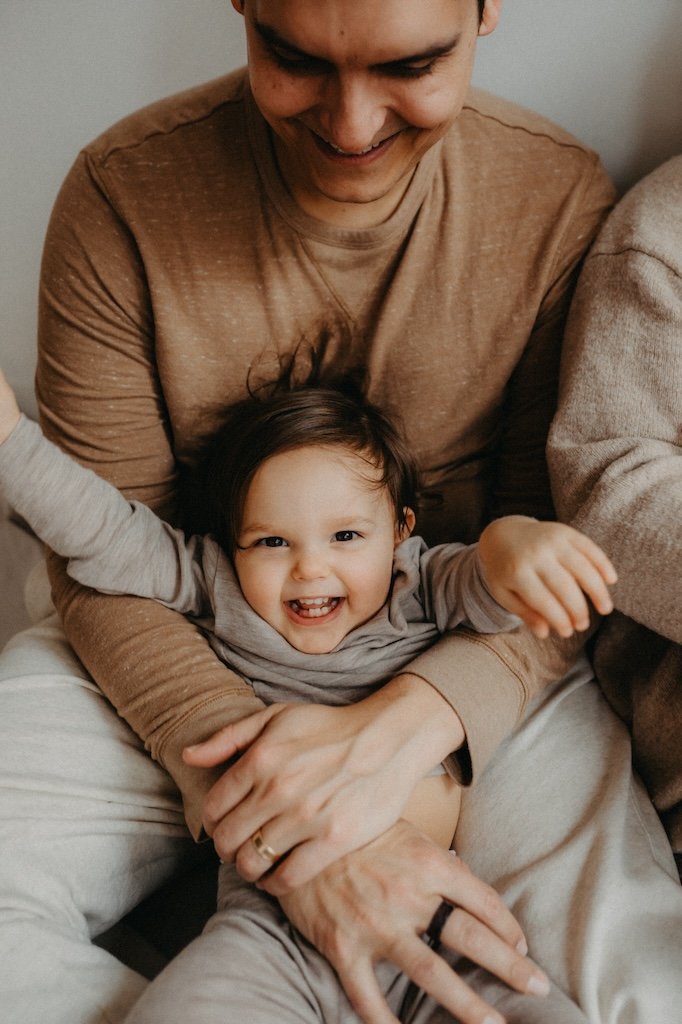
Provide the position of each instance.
(101, 400)
(616, 448)
(455, 593)
(488, 680)
(112, 545)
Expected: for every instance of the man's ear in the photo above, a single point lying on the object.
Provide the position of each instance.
(238, 6)
(491, 16)
(403, 532)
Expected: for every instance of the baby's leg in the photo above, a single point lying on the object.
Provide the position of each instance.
(249, 965)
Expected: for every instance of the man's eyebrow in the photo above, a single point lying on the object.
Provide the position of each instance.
(272, 36)
(430, 53)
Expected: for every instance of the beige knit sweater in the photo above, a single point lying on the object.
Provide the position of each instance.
(616, 457)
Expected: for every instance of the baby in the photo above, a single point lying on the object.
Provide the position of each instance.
(310, 584)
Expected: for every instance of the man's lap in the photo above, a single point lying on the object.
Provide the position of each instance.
(251, 964)
(556, 822)
(580, 856)
(89, 825)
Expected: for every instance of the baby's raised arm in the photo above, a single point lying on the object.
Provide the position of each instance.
(543, 572)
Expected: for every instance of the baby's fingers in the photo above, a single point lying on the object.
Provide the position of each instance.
(360, 984)
(593, 570)
(536, 623)
(555, 598)
(592, 582)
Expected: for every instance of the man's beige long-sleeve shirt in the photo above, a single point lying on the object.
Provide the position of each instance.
(176, 259)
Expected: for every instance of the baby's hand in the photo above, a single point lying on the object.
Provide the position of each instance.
(542, 571)
(9, 410)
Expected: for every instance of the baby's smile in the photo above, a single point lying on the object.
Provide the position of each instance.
(314, 607)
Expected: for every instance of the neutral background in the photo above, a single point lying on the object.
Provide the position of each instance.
(608, 70)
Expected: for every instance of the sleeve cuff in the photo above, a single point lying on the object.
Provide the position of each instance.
(487, 695)
(194, 783)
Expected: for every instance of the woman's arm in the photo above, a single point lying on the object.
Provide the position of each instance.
(615, 448)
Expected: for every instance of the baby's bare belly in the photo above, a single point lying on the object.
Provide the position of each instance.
(434, 808)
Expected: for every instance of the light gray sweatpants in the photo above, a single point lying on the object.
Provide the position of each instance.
(89, 825)
(250, 965)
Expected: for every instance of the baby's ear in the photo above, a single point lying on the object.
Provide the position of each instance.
(404, 531)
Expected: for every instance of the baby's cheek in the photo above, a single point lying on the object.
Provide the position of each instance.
(261, 590)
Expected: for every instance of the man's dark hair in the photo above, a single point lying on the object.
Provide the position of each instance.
(332, 414)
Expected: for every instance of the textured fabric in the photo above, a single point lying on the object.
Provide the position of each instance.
(121, 547)
(594, 887)
(252, 965)
(615, 451)
(90, 825)
(175, 259)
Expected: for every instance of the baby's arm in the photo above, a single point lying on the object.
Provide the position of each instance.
(113, 545)
(542, 571)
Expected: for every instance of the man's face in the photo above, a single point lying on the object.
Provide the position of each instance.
(356, 91)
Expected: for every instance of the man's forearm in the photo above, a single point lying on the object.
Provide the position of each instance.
(487, 681)
(160, 674)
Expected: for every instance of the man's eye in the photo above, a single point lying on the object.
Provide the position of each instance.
(271, 542)
(298, 65)
(417, 70)
(346, 535)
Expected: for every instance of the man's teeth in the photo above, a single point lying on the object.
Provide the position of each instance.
(359, 152)
(314, 607)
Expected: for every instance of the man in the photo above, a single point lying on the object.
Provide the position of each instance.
(352, 179)
(615, 453)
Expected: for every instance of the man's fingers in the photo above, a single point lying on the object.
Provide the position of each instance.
(432, 974)
(473, 940)
(468, 893)
(227, 796)
(360, 985)
(302, 864)
(226, 742)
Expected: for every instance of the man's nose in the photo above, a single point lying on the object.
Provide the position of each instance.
(353, 111)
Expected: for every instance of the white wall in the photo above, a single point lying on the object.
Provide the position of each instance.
(609, 70)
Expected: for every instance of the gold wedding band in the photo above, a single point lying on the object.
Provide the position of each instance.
(263, 850)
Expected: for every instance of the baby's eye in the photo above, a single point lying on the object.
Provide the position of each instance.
(346, 535)
(271, 542)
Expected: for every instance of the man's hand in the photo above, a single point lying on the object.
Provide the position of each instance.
(542, 572)
(9, 410)
(321, 781)
(375, 903)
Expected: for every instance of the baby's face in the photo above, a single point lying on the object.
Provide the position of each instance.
(316, 546)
